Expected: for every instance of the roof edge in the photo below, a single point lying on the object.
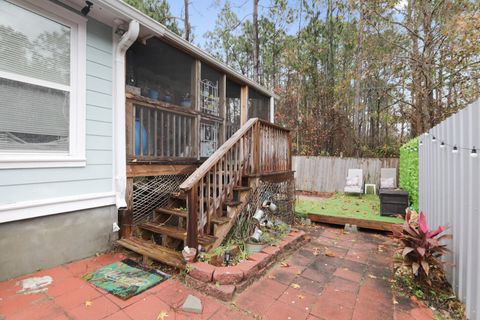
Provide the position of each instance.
(156, 27)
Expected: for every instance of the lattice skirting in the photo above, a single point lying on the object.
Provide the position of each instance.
(153, 192)
(281, 193)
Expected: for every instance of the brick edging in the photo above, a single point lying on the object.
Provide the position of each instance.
(223, 282)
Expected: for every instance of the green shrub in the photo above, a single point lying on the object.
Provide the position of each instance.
(409, 170)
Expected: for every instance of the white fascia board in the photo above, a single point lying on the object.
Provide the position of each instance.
(40, 208)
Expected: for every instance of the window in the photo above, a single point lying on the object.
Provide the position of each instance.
(42, 86)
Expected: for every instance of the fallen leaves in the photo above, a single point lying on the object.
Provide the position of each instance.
(372, 276)
(162, 315)
(88, 303)
(284, 264)
(316, 251)
(329, 253)
(301, 296)
(295, 286)
(417, 302)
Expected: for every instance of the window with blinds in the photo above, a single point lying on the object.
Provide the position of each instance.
(35, 86)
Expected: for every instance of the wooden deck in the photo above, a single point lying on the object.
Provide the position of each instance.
(360, 223)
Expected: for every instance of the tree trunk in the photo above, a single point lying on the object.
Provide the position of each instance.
(256, 44)
(186, 22)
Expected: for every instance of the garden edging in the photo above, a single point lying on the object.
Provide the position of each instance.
(224, 282)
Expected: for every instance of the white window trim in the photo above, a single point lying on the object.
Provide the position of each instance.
(75, 157)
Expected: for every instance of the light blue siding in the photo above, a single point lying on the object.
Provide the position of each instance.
(17, 185)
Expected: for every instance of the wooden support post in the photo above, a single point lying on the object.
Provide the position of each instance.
(130, 130)
(243, 105)
(125, 216)
(125, 221)
(272, 109)
(129, 194)
(223, 108)
(196, 77)
(192, 219)
(256, 147)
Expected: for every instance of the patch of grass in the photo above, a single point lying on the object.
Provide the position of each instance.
(366, 207)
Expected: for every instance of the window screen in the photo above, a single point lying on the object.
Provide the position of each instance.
(258, 105)
(160, 72)
(34, 81)
(233, 108)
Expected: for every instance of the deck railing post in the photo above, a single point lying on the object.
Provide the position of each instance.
(256, 147)
(192, 219)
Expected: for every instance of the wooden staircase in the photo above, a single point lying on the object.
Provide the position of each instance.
(212, 197)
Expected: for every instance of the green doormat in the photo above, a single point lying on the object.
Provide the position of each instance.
(125, 278)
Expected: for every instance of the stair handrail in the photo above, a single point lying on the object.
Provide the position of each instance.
(201, 171)
(257, 133)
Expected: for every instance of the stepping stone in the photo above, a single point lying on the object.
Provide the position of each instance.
(192, 304)
(351, 227)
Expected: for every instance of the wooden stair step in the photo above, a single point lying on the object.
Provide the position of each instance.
(173, 212)
(154, 251)
(178, 195)
(176, 232)
(241, 188)
(220, 220)
(232, 203)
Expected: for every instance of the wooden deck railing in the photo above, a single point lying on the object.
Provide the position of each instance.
(257, 148)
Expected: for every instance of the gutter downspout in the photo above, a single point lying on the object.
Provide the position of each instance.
(127, 39)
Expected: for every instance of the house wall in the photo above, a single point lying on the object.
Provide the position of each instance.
(50, 216)
(19, 187)
(40, 243)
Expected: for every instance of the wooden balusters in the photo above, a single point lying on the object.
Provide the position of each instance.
(258, 147)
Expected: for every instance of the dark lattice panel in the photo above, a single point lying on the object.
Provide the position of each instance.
(153, 192)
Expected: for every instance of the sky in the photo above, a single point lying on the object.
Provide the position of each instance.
(203, 13)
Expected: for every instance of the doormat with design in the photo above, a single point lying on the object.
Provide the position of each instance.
(125, 278)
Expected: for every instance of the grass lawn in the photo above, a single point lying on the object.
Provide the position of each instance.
(347, 206)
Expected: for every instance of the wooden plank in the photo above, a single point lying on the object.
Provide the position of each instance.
(178, 213)
(196, 77)
(192, 220)
(243, 105)
(223, 108)
(367, 224)
(130, 129)
(129, 193)
(160, 253)
(160, 105)
(148, 170)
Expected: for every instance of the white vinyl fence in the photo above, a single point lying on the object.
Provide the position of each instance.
(328, 174)
(449, 192)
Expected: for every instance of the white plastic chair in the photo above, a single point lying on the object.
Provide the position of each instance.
(354, 181)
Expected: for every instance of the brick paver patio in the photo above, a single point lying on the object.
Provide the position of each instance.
(335, 276)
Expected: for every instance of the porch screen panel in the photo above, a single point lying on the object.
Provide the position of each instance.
(160, 72)
(209, 91)
(258, 105)
(232, 108)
